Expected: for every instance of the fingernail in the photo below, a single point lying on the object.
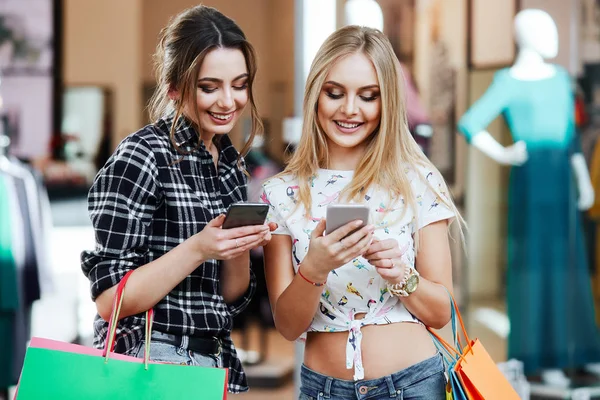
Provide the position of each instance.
(358, 223)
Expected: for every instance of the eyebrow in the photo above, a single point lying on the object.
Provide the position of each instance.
(334, 83)
(216, 80)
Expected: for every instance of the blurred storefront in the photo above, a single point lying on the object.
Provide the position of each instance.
(97, 77)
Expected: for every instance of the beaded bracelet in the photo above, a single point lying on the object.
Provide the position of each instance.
(308, 280)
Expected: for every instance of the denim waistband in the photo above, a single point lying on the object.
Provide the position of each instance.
(389, 385)
(208, 345)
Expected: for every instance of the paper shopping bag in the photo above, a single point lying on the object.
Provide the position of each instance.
(54, 370)
(473, 375)
(53, 375)
(481, 376)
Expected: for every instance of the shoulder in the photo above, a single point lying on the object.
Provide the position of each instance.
(502, 76)
(561, 70)
(149, 145)
(279, 182)
(147, 140)
(565, 74)
(422, 177)
(136, 154)
(277, 189)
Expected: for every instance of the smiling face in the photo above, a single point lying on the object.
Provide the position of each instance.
(222, 91)
(349, 105)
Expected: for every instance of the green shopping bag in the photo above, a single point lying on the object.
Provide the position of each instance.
(56, 370)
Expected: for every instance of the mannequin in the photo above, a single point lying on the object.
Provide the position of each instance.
(364, 13)
(549, 297)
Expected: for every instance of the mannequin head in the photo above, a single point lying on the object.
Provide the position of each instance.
(363, 13)
(536, 31)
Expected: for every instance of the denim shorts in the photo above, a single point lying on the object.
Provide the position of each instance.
(168, 353)
(423, 381)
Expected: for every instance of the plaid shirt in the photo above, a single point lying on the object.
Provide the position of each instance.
(142, 204)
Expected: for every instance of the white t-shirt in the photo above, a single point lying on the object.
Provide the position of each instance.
(355, 287)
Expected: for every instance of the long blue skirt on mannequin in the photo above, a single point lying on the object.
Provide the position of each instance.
(549, 295)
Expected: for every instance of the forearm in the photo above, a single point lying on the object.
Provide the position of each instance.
(430, 303)
(296, 308)
(485, 143)
(580, 169)
(235, 277)
(152, 282)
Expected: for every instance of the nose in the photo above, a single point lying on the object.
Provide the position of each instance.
(225, 101)
(349, 106)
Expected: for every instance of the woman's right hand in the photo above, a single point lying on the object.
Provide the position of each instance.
(328, 252)
(216, 243)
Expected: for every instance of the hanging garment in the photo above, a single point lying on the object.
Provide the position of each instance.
(27, 202)
(9, 301)
(21, 246)
(549, 296)
(594, 214)
(45, 274)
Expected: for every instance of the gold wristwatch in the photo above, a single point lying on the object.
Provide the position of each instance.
(407, 286)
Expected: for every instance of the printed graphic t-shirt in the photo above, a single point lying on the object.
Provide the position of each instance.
(356, 287)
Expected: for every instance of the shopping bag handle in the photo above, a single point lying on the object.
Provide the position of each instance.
(456, 316)
(114, 319)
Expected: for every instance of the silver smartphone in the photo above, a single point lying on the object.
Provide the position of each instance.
(244, 214)
(340, 214)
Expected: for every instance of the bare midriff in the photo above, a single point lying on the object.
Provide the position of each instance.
(386, 349)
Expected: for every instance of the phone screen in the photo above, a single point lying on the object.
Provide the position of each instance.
(244, 214)
(340, 214)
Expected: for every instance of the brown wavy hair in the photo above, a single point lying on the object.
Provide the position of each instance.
(181, 49)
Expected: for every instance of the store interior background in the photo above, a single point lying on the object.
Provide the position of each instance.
(105, 72)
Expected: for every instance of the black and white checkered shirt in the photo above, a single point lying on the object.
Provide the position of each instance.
(142, 204)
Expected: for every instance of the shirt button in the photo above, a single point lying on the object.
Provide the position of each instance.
(363, 390)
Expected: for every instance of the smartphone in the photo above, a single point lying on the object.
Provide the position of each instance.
(244, 214)
(340, 214)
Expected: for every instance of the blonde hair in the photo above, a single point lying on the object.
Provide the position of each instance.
(390, 147)
(182, 47)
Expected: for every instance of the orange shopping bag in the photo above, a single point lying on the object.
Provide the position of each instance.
(477, 374)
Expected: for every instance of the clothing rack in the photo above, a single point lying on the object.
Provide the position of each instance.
(24, 267)
(4, 143)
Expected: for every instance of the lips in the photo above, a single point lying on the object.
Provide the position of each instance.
(221, 118)
(348, 125)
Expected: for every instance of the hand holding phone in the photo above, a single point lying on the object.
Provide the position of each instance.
(245, 214)
(344, 235)
(339, 215)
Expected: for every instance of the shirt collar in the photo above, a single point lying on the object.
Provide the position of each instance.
(185, 135)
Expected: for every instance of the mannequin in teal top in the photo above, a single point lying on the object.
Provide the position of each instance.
(549, 297)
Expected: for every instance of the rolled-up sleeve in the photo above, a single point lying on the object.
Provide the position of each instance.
(240, 304)
(121, 204)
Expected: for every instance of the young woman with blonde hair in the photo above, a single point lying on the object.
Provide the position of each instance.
(363, 299)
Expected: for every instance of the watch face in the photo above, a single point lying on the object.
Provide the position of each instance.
(411, 284)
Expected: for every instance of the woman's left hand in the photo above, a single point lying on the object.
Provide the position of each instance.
(267, 239)
(386, 256)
